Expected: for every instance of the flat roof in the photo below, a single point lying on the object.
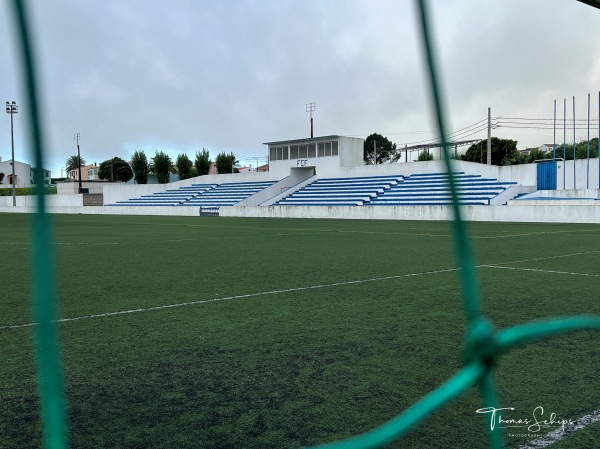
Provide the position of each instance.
(310, 139)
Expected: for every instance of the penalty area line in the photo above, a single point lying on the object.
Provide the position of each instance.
(230, 298)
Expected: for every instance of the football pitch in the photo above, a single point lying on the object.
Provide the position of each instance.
(189, 332)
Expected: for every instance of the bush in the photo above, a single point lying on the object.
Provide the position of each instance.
(23, 191)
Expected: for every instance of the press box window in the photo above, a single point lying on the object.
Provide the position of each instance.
(334, 148)
(278, 153)
(303, 151)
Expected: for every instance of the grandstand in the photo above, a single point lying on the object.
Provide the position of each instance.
(393, 190)
(325, 177)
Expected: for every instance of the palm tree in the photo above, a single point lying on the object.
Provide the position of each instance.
(72, 163)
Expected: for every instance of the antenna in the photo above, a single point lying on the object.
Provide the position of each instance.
(310, 107)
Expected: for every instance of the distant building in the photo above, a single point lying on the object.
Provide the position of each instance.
(549, 147)
(263, 168)
(526, 151)
(24, 174)
(88, 173)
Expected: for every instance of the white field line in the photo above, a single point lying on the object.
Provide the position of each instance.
(308, 232)
(540, 271)
(549, 257)
(440, 229)
(229, 298)
(559, 434)
(139, 242)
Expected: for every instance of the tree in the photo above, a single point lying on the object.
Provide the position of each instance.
(536, 154)
(202, 162)
(162, 167)
(581, 150)
(72, 163)
(140, 167)
(425, 155)
(504, 152)
(184, 166)
(115, 169)
(226, 163)
(386, 150)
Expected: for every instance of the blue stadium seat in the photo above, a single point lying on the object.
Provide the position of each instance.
(213, 195)
(417, 189)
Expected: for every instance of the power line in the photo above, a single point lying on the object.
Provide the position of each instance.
(454, 134)
(542, 126)
(543, 119)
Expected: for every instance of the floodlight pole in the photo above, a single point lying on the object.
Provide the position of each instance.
(310, 107)
(12, 108)
(554, 141)
(489, 139)
(574, 147)
(76, 136)
(587, 185)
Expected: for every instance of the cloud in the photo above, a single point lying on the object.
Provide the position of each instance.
(231, 75)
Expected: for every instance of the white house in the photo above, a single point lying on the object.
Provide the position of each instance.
(24, 174)
(548, 147)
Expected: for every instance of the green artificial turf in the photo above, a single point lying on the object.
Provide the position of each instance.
(301, 331)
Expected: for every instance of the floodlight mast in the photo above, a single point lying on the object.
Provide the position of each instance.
(12, 108)
(489, 137)
(76, 137)
(310, 107)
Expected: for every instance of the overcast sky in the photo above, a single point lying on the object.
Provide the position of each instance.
(229, 75)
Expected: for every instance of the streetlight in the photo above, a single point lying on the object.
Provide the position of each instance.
(12, 108)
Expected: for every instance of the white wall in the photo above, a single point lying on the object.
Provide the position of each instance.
(351, 151)
(328, 166)
(524, 174)
(109, 210)
(51, 200)
(546, 213)
(568, 178)
(71, 188)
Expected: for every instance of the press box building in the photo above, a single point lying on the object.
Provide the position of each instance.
(324, 156)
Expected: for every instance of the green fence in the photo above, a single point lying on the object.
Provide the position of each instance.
(482, 346)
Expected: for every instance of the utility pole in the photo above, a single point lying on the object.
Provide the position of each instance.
(310, 107)
(375, 152)
(76, 137)
(489, 141)
(12, 108)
